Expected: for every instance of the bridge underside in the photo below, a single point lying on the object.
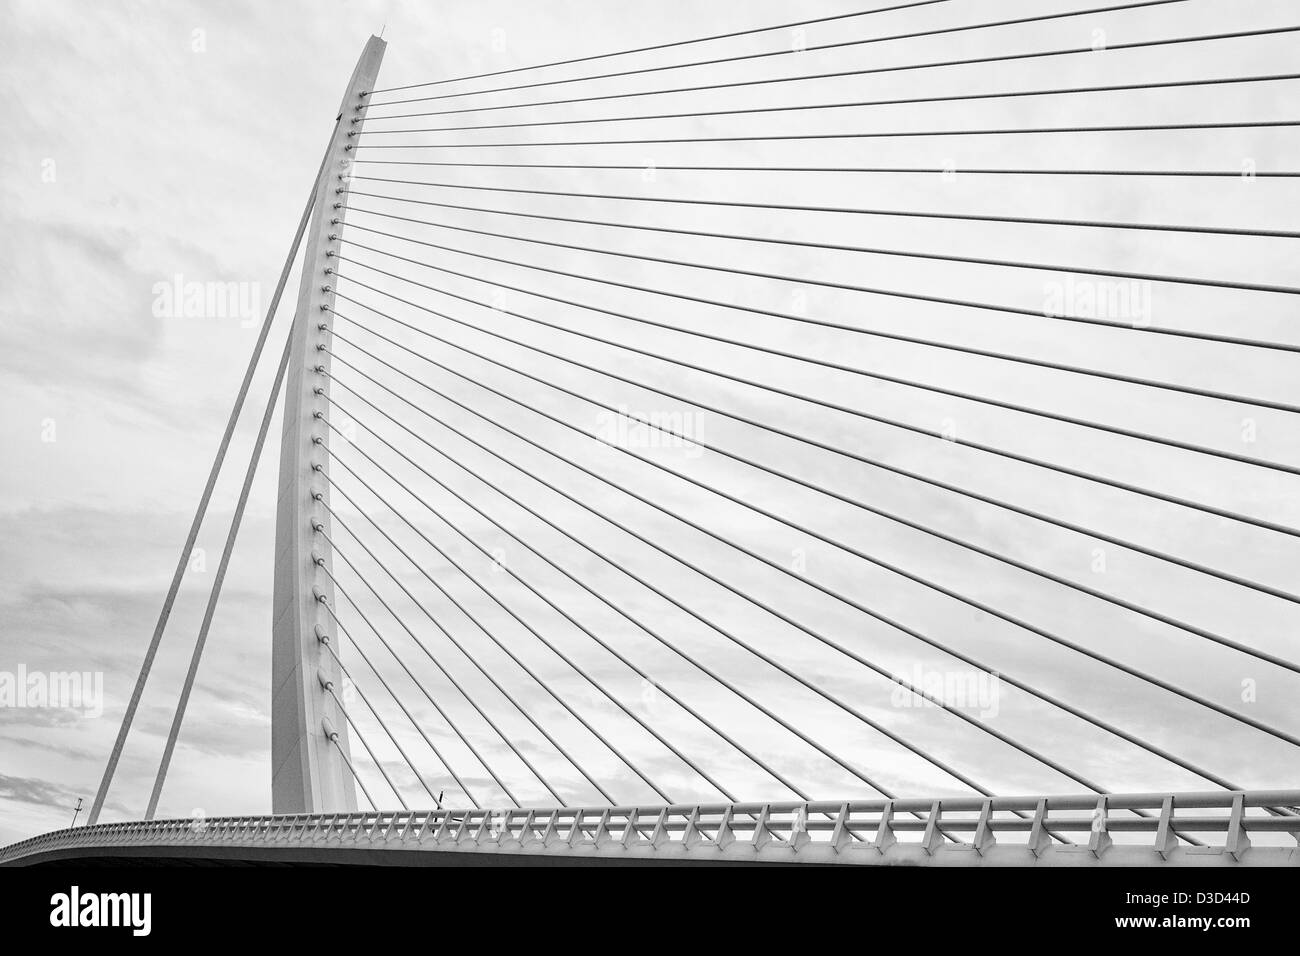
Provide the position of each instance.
(737, 855)
(261, 856)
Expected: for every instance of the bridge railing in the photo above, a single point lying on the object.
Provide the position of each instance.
(1239, 826)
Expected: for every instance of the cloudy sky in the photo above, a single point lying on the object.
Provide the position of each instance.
(151, 141)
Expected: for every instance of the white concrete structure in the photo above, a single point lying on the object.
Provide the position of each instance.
(308, 772)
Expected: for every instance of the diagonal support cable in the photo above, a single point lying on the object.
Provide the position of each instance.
(215, 594)
(329, 646)
(880, 512)
(873, 71)
(496, 778)
(641, 672)
(800, 244)
(1103, 725)
(991, 402)
(793, 280)
(505, 738)
(559, 653)
(852, 711)
(821, 137)
(857, 104)
(776, 430)
(899, 170)
(151, 652)
(865, 415)
(1105, 659)
(329, 689)
(343, 629)
(666, 46)
(834, 645)
(523, 711)
(866, 41)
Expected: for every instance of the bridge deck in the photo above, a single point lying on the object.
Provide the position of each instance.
(1260, 828)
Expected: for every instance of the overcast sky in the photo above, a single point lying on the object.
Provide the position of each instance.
(149, 141)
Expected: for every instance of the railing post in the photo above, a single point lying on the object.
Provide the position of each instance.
(551, 834)
(308, 774)
(933, 837)
(1166, 839)
(1237, 842)
(885, 832)
(1099, 840)
(985, 839)
(1039, 838)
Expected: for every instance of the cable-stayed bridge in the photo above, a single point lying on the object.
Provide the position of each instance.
(679, 463)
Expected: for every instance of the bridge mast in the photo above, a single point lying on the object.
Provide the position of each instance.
(308, 772)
